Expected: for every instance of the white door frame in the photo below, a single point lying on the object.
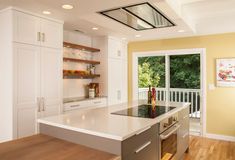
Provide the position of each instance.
(201, 51)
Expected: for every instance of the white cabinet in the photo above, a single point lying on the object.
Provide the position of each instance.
(26, 28)
(32, 70)
(34, 30)
(37, 85)
(26, 87)
(51, 80)
(51, 34)
(113, 68)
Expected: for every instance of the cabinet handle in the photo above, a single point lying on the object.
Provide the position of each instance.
(186, 134)
(143, 147)
(119, 53)
(73, 106)
(97, 102)
(119, 95)
(43, 104)
(39, 104)
(143, 130)
(185, 117)
(39, 36)
(43, 37)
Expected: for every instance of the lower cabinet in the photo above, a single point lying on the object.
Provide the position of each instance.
(183, 133)
(142, 146)
(37, 86)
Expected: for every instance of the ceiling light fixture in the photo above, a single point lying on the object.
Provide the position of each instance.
(46, 12)
(181, 31)
(137, 36)
(67, 6)
(95, 28)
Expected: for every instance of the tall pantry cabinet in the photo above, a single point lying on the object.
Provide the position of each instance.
(113, 68)
(31, 71)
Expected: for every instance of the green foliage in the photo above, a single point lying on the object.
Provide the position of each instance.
(147, 76)
(157, 65)
(184, 71)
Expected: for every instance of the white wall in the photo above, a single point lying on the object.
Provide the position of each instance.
(6, 77)
(76, 87)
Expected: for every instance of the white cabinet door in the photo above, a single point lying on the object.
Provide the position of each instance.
(114, 81)
(51, 34)
(26, 88)
(51, 80)
(114, 48)
(26, 28)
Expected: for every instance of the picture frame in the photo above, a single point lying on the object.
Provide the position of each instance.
(225, 72)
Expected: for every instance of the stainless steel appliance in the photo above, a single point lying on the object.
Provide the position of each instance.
(168, 130)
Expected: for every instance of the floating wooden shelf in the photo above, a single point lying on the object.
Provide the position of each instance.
(81, 60)
(77, 76)
(80, 47)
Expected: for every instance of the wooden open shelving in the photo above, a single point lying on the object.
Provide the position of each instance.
(77, 76)
(80, 60)
(72, 74)
(80, 47)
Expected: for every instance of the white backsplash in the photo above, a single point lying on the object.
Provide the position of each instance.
(76, 87)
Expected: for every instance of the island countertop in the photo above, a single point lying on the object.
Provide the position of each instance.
(100, 122)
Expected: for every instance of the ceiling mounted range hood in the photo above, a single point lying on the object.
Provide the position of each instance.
(139, 16)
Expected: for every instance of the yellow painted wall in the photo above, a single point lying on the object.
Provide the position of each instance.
(221, 101)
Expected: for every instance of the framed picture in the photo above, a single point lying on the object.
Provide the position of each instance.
(225, 72)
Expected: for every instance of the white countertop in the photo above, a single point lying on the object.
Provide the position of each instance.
(100, 121)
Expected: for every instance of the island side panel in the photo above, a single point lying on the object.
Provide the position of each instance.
(99, 143)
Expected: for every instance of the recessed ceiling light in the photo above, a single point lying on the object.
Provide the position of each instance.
(46, 12)
(137, 36)
(67, 6)
(95, 28)
(181, 31)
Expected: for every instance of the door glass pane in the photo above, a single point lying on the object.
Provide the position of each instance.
(151, 71)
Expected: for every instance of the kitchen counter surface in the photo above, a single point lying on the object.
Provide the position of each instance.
(42, 147)
(100, 122)
(79, 99)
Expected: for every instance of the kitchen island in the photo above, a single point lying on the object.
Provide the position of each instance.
(100, 129)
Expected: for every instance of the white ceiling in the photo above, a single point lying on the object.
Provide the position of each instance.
(196, 17)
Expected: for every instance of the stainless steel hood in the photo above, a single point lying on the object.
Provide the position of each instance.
(139, 16)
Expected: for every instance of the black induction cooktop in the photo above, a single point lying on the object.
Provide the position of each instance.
(144, 111)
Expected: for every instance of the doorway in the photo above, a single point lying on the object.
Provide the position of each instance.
(179, 76)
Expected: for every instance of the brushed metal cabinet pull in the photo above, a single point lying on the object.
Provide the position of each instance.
(73, 106)
(97, 102)
(39, 36)
(43, 37)
(143, 147)
(39, 104)
(43, 104)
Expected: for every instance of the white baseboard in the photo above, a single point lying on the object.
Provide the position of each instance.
(220, 137)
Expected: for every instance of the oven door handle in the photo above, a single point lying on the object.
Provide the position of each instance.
(176, 127)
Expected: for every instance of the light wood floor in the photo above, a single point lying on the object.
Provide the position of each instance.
(210, 149)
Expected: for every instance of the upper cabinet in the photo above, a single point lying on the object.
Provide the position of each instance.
(51, 34)
(26, 28)
(34, 30)
(115, 48)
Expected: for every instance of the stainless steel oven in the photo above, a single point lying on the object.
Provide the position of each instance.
(168, 137)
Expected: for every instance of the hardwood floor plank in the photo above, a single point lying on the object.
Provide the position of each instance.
(209, 149)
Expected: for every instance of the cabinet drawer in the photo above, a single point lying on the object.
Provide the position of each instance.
(145, 152)
(138, 143)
